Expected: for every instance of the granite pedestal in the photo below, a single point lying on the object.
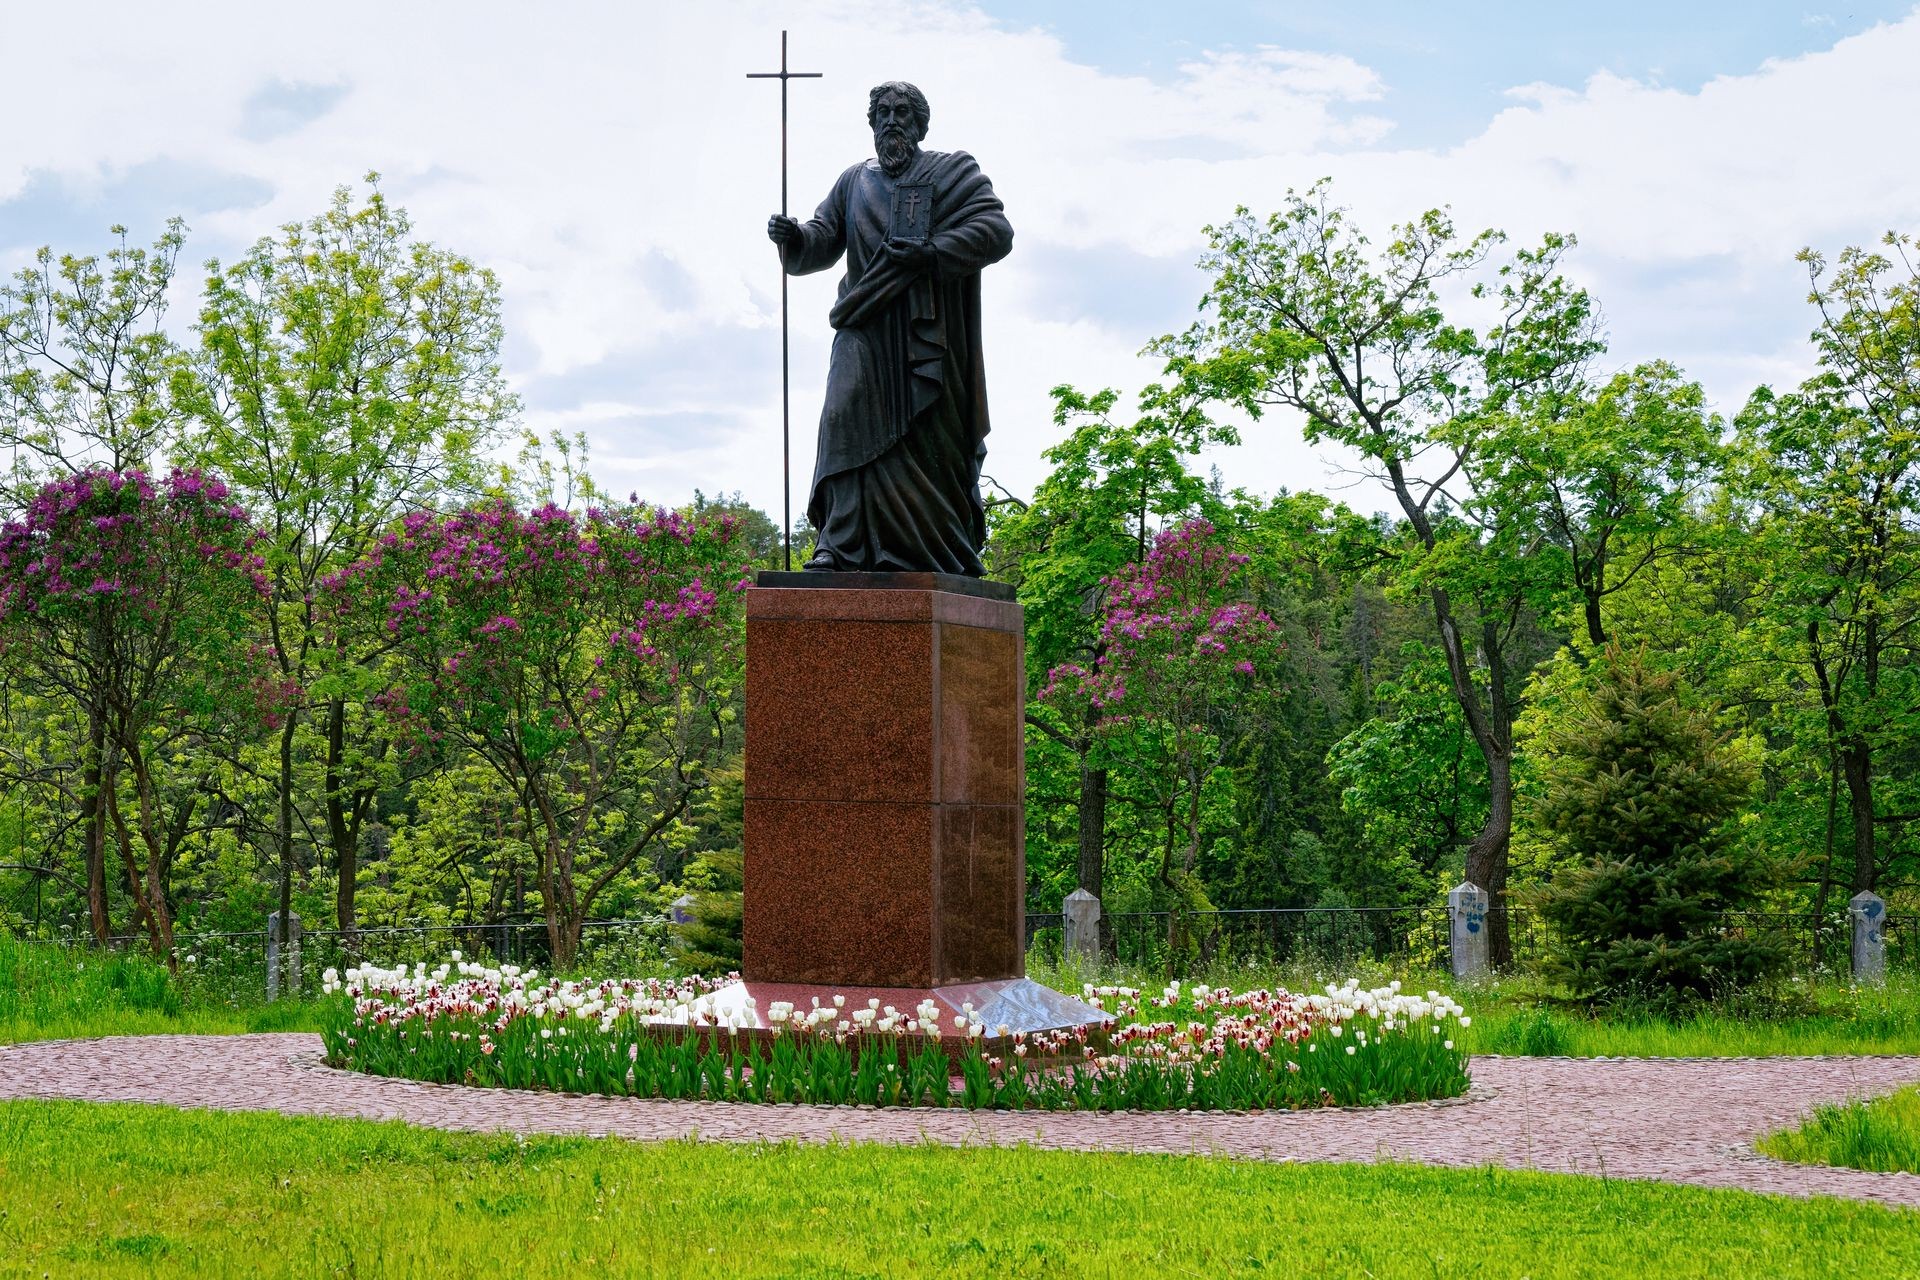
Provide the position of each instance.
(885, 786)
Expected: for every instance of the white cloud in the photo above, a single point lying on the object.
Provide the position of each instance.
(614, 166)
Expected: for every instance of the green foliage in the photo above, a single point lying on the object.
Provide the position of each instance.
(1413, 778)
(85, 362)
(1639, 791)
(345, 374)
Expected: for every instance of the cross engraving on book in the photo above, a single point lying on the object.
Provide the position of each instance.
(912, 211)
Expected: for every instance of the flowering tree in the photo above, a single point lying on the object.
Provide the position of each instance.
(594, 663)
(1185, 661)
(141, 603)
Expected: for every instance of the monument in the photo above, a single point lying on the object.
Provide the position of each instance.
(885, 839)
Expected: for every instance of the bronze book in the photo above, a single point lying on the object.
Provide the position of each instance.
(912, 212)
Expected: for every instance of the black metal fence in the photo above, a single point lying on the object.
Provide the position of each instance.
(236, 961)
(1418, 936)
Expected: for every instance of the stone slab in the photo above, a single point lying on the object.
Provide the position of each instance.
(883, 894)
(952, 583)
(844, 605)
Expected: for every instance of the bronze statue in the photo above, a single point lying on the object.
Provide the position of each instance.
(896, 482)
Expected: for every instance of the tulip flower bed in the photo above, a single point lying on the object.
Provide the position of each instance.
(1199, 1048)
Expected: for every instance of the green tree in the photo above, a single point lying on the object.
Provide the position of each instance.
(85, 364)
(348, 373)
(1112, 487)
(1412, 777)
(1602, 478)
(1641, 793)
(1306, 316)
(139, 603)
(1834, 470)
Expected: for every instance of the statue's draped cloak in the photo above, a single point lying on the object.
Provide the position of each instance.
(903, 431)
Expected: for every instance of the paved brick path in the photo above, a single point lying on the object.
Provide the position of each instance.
(1679, 1120)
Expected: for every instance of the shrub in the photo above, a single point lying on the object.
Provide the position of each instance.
(1639, 794)
(710, 942)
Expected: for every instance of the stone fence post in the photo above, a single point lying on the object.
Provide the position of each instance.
(1080, 916)
(1868, 912)
(1467, 917)
(275, 943)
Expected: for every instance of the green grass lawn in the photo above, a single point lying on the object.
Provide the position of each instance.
(49, 992)
(94, 1190)
(1882, 1135)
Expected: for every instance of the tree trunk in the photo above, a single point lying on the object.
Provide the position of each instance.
(159, 914)
(123, 841)
(1491, 725)
(1487, 856)
(283, 827)
(1093, 828)
(94, 806)
(1856, 765)
(342, 832)
(1596, 633)
(1826, 864)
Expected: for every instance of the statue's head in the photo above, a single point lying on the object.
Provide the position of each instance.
(899, 115)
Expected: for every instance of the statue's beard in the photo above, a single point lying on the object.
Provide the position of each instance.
(895, 149)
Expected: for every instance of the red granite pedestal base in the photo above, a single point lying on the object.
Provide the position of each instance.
(885, 784)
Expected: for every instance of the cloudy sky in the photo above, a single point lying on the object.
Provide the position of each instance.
(612, 164)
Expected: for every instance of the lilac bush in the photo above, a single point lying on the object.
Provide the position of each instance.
(1185, 662)
(142, 604)
(593, 661)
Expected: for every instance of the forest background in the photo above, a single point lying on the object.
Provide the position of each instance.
(293, 615)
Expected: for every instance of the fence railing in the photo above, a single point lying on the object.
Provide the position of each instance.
(238, 958)
(1418, 936)
(236, 961)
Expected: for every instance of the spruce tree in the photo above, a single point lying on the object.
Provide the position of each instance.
(1639, 796)
(709, 943)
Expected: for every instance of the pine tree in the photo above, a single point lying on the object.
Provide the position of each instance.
(1639, 795)
(710, 942)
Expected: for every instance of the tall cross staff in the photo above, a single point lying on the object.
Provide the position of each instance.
(786, 395)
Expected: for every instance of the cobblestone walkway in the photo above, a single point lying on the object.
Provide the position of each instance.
(1679, 1120)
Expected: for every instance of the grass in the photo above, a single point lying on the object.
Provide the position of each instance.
(50, 992)
(116, 1190)
(1522, 1016)
(1882, 1135)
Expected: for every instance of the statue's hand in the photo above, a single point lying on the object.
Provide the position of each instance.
(783, 230)
(914, 255)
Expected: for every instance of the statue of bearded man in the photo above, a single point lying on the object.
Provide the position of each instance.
(896, 483)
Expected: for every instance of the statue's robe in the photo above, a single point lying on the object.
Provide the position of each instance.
(896, 483)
